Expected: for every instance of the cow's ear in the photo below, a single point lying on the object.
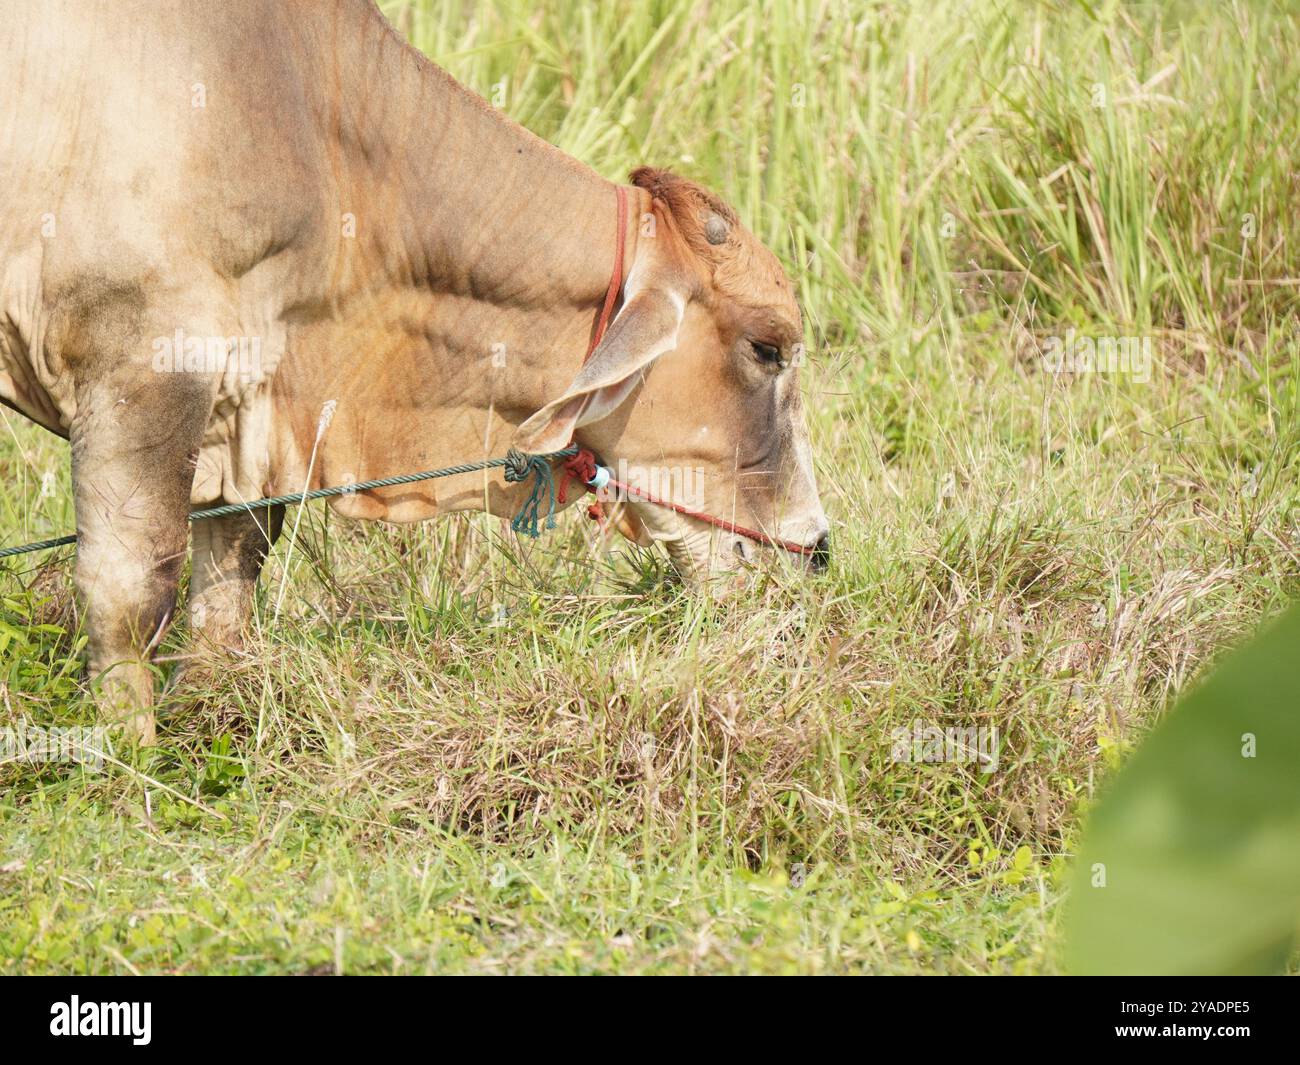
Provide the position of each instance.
(645, 328)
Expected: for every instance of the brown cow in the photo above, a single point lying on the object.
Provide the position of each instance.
(217, 221)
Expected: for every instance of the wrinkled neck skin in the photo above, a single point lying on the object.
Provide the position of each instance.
(457, 294)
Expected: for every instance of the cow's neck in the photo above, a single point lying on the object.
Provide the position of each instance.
(486, 209)
(472, 263)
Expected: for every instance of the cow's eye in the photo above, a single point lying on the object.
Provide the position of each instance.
(768, 353)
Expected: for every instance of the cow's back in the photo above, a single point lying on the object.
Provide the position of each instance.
(145, 146)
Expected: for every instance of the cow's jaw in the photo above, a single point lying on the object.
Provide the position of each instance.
(688, 543)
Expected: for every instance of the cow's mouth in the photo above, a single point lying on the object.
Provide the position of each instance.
(687, 542)
(695, 550)
(690, 553)
(697, 542)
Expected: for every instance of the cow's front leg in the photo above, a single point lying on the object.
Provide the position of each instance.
(228, 556)
(134, 443)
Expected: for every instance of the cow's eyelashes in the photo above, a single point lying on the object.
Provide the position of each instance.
(768, 353)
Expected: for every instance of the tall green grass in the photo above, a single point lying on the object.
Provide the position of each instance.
(1098, 161)
(629, 777)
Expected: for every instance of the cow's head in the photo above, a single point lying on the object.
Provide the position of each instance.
(693, 393)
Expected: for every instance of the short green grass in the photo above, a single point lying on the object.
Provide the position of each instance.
(631, 777)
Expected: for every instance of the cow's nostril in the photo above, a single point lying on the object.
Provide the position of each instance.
(821, 553)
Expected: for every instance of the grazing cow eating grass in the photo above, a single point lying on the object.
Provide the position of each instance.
(220, 220)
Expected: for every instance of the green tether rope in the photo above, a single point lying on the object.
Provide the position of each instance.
(518, 467)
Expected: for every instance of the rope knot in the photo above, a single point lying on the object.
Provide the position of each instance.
(518, 467)
(582, 466)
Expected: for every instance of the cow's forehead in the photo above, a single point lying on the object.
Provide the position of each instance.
(746, 271)
(742, 268)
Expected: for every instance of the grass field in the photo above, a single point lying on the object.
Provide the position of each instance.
(631, 777)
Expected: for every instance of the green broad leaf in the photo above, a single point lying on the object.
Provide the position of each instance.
(1191, 862)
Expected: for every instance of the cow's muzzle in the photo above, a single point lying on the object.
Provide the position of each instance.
(820, 559)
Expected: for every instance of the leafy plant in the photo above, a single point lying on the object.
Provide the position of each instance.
(1192, 863)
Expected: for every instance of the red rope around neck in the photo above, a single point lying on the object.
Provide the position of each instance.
(596, 512)
(615, 278)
